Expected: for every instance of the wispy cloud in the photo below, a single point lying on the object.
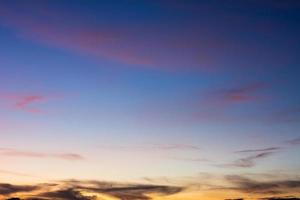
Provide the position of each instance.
(14, 173)
(202, 160)
(100, 43)
(258, 150)
(24, 102)
(158, 147)
(214, 105)
(250, 161)
(243, 93)
(288, 115)
(295, 141)
(18, 153)
(166, 49)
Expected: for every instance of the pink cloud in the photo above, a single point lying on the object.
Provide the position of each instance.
(24, 102)
(100, 43)
(241, 93)
(142, 47)
(217, 105)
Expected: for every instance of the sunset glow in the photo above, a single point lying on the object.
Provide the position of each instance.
(149, 99)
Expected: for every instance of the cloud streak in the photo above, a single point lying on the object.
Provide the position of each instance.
(250, 161)
(258, 150)
(32, 154)
(24, 102)
(156, 147)
(295, 141)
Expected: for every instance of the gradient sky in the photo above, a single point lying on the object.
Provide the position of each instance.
(165, 99)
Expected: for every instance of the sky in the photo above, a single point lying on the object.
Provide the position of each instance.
(149, 99)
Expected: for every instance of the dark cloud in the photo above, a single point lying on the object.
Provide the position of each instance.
(235, 199)
(69, 193)
(14, 199)
(251, 186)
(125, 191)
(281, 198)
(75, 190)
(7, 189)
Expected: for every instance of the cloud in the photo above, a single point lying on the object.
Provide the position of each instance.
(139, 192)
(250, 161)
(235, 199)
(247, 162)
(65, 194)
(7, 189)
(82, 38)
(202, 160)
(250, 92)
(14, 173)
(280, 198)
(18, 153)
(214, 105)
(250, 186)
(295, 141)
(288, 115)
(25, 102)
(78, 190)
(150, 147)
(123, 39)
(258, 150)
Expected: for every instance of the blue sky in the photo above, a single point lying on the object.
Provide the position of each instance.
(162, 88)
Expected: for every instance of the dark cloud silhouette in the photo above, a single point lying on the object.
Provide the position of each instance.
(247, 185)
(281, 198)
(235, 199)
(124, 191)
(73, 190)
(69, 193)
(14, 199)
(139, 192)
(7, 189)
